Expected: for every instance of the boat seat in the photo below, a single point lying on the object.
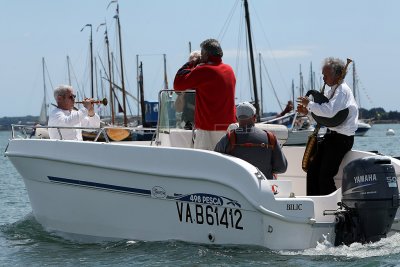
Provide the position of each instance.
(177, 138)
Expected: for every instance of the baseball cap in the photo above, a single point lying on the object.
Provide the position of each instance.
(245, 110)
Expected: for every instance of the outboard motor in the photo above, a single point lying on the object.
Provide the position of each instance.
(370, 198)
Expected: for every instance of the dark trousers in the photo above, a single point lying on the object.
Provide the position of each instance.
(325, 164)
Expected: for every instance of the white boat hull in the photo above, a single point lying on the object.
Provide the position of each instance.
(362, 128)
(131, 199)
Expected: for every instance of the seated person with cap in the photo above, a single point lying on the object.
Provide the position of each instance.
(256, 146)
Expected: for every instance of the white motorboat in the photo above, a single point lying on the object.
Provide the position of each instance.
(362, 128)
(299, 128)
(165, 190)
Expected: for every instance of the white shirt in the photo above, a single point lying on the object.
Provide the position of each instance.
(342, 98)
(74, 118)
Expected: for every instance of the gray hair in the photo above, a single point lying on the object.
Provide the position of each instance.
(336, 65)
(194, 55)
(212, 47)
(61, 90)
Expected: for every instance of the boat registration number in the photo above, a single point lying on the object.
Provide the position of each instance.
(211, 215)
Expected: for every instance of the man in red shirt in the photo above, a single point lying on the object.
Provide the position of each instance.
(214, 83)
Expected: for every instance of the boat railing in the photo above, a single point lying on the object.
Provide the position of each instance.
(31, 131)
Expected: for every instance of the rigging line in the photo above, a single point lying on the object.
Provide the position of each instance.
(227, 22)
(120, 77)
(239, 50)
(48, 75)
(76, 79)
(102, 65)
(272, 85)
(116, 65)
(86, 74)
(358, 82)
(365, 92)
(249, 68)
(239, 41)
(269, 46)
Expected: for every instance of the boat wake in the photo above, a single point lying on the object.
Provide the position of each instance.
(27, 231)
(386, 246)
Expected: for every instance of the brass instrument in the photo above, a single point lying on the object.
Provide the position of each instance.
(311, 147)
(104, 101)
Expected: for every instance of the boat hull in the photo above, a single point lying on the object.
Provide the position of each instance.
(362, 128)
(180, 199)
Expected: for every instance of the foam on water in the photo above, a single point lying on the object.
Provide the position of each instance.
(386, 246)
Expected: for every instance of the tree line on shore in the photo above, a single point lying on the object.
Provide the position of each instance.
(374, 115)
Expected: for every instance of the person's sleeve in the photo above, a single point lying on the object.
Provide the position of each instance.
(337, 103)
(91, 121)
(188, 77)
(222, 145)
(279, 161)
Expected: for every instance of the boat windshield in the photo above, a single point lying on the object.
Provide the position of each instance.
(176, 110)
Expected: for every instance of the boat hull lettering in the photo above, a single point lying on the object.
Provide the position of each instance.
(210, 215)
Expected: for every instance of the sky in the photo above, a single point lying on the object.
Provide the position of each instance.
(290, 35)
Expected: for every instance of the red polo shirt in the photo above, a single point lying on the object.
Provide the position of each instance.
(214, 83)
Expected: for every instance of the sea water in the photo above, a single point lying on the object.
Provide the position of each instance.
(23, 242)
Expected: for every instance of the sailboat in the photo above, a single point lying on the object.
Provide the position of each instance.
(43, 117)
(363, 126)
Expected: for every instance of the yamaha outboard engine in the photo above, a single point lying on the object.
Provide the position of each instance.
(370, 198)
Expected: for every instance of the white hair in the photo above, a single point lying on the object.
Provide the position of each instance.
(194, 55)
(61, 90)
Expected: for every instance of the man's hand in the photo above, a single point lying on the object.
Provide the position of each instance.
(302, 109)
(88, 104)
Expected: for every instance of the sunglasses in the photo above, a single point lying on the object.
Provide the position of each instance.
(72, 97)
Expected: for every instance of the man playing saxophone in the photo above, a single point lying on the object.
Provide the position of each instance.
(339, 139)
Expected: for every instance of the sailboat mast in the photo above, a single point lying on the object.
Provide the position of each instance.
(261, 89)
(141, 87)
(253, 69)
(293, 91)
(69, 71)
(91, 58)
(355, 92)
(91, 63)
(311, 77)
(138, 83)
(44, 88)
(122, 67)
(301, 85)
(110, 79)
(165, 72)
(354, 81)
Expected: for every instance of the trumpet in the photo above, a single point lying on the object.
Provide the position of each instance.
(104, 101)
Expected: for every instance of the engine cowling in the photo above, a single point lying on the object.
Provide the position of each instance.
(370, 199)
